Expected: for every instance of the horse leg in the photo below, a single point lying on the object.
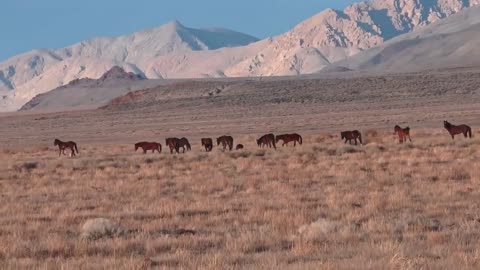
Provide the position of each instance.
(355, 141)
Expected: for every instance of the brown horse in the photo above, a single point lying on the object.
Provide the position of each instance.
(225, 141)
(351, 135)
(461, 129)
(208, 144)
(239, 147)
(154, 146)
(267, 140)
(286, 138)
(172, 144)
(402, 133)
(176, 144)
(64, 145)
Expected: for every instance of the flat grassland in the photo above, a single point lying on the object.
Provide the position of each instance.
(323, 205)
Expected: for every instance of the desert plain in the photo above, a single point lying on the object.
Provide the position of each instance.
(320, 205)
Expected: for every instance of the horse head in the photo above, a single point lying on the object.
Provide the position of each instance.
(342, 135)
(56, 142)
(446, 124)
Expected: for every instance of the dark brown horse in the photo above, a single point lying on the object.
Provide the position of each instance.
(208, 144)
(403, 133)
(172, 144)
(176, 144)
(286, 138)
(184, 143)
(348, 136)
(267, 140)
(225, 141)
(62, 146)
(154, 146)
(461, 129)
(239, 147)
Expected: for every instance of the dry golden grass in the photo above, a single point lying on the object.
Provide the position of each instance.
(323, 205)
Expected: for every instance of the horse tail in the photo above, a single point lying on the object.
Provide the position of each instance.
(469, 130)
(300, 140)
(76, 149)
(360, 138)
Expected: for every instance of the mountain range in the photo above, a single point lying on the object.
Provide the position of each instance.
(449, 43)
(176, 51)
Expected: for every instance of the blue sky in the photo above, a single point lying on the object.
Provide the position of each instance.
(30, 24)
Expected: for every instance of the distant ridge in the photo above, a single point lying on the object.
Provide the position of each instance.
(88, 93)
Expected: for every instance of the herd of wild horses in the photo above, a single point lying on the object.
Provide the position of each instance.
(267, 140)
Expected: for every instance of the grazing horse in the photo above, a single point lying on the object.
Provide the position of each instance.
(154, 146)
(402, 133)
(239, 147)
(172, 144)
(286, 138)
(461, 129)
(267, 140)
(183, 142)
(225, 141)
(208, 144)
(176, 144)
(351, 135)
(64, 145)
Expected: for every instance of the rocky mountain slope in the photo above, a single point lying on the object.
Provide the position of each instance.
(175, 51)
(24, 76)
(448, 43)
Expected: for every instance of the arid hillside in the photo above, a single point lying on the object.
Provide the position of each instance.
(175, 51)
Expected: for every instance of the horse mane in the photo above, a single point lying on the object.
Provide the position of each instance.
(447, 124)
